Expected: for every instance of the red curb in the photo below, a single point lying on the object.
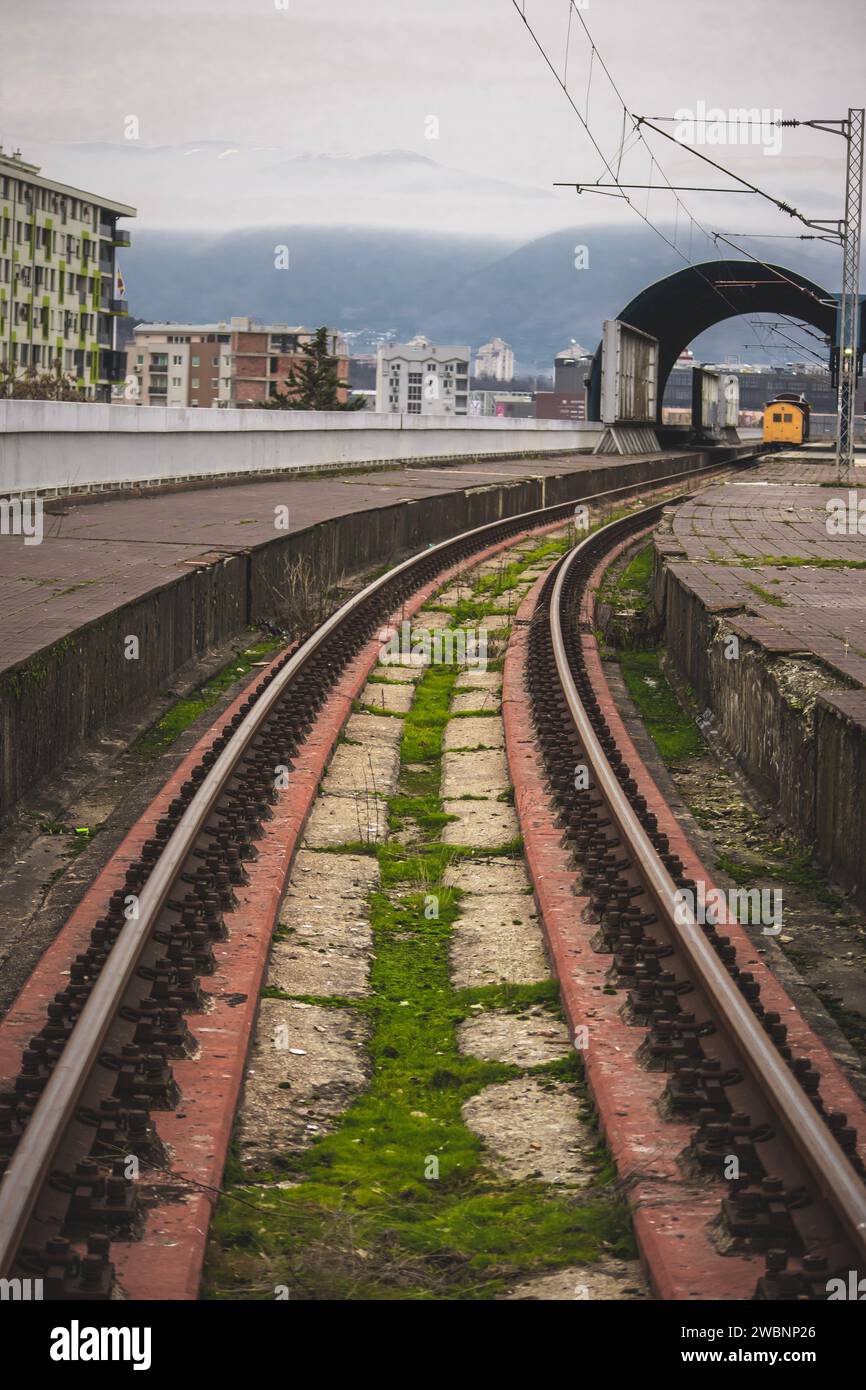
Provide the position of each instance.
(671, 1215)
(167, 1262)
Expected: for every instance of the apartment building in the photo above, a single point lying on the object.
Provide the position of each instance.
(494, 361)
(60, 287)
(420, 378)
(234, 362)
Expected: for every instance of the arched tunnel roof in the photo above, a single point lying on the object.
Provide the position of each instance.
(675, 310)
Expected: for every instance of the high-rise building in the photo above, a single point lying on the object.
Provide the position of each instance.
(421, 378)
(567, 400)
(235, 362)
(495, 361)
(61, 291)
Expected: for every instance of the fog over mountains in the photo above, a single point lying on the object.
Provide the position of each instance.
(395, 240)
(456, 289)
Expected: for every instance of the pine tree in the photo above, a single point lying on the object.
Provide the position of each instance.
(315, 383)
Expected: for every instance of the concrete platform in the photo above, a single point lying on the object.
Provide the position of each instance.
(812, 602)
(758, 559)
(186, 570)
(99, 555)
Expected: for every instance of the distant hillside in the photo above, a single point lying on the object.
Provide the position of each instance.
(463, 290)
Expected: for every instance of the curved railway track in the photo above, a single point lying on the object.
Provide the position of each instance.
(753, 1099)
(95, 1076)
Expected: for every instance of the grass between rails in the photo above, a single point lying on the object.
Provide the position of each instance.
(365, 1220)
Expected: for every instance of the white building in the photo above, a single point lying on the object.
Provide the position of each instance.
(495, 360)
(421, 378)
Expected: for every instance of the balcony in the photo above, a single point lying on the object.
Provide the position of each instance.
(106, 230)
(118, 306)
(121, 238)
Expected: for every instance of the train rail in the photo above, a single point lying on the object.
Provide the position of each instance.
(96, 1075)
(722, 1058)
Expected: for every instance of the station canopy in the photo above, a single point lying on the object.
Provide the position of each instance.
(678, 308)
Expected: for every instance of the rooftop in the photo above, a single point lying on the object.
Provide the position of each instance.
(13, 164)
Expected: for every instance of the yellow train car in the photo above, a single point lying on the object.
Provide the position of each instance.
(786, 420)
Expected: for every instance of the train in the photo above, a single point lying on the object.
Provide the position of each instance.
(786, 420)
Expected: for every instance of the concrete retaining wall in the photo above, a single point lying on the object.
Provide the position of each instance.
(60, 447)
(799, 737)
(66, 692)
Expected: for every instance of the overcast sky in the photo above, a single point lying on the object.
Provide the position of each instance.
(232, 97)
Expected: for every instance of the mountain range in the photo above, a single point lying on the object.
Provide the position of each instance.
(464, 290)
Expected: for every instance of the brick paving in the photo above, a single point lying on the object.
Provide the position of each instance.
(732, 545)
(97, 556)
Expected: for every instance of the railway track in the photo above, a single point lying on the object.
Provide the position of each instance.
(728, 1082)
(82, 1124)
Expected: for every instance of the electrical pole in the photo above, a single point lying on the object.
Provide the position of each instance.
(849, 300)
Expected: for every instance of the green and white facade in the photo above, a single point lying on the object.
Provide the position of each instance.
(59, 295)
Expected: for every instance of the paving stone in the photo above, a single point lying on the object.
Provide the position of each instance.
(497, 940)
(489, 876)
(479, 680)
(299, 1080)
(396, 698)
(362, 770)
(532, 1130)
(409, 675)
(480, 824)
(374, 728)
(482, 773)
(473, 733)
(342, 820)
(527, 1039)
(608, 1280)
(471, 701)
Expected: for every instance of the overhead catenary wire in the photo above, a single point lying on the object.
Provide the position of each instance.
(595, 55)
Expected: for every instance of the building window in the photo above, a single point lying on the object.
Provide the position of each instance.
(194, 383)
(414, 407)
(196, 362)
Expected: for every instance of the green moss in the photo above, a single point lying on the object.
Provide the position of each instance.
(676, 737)
(366, 1219)
(184, 713)
(817, 562)
(792, 863)
(629, 589)
(767, 596)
